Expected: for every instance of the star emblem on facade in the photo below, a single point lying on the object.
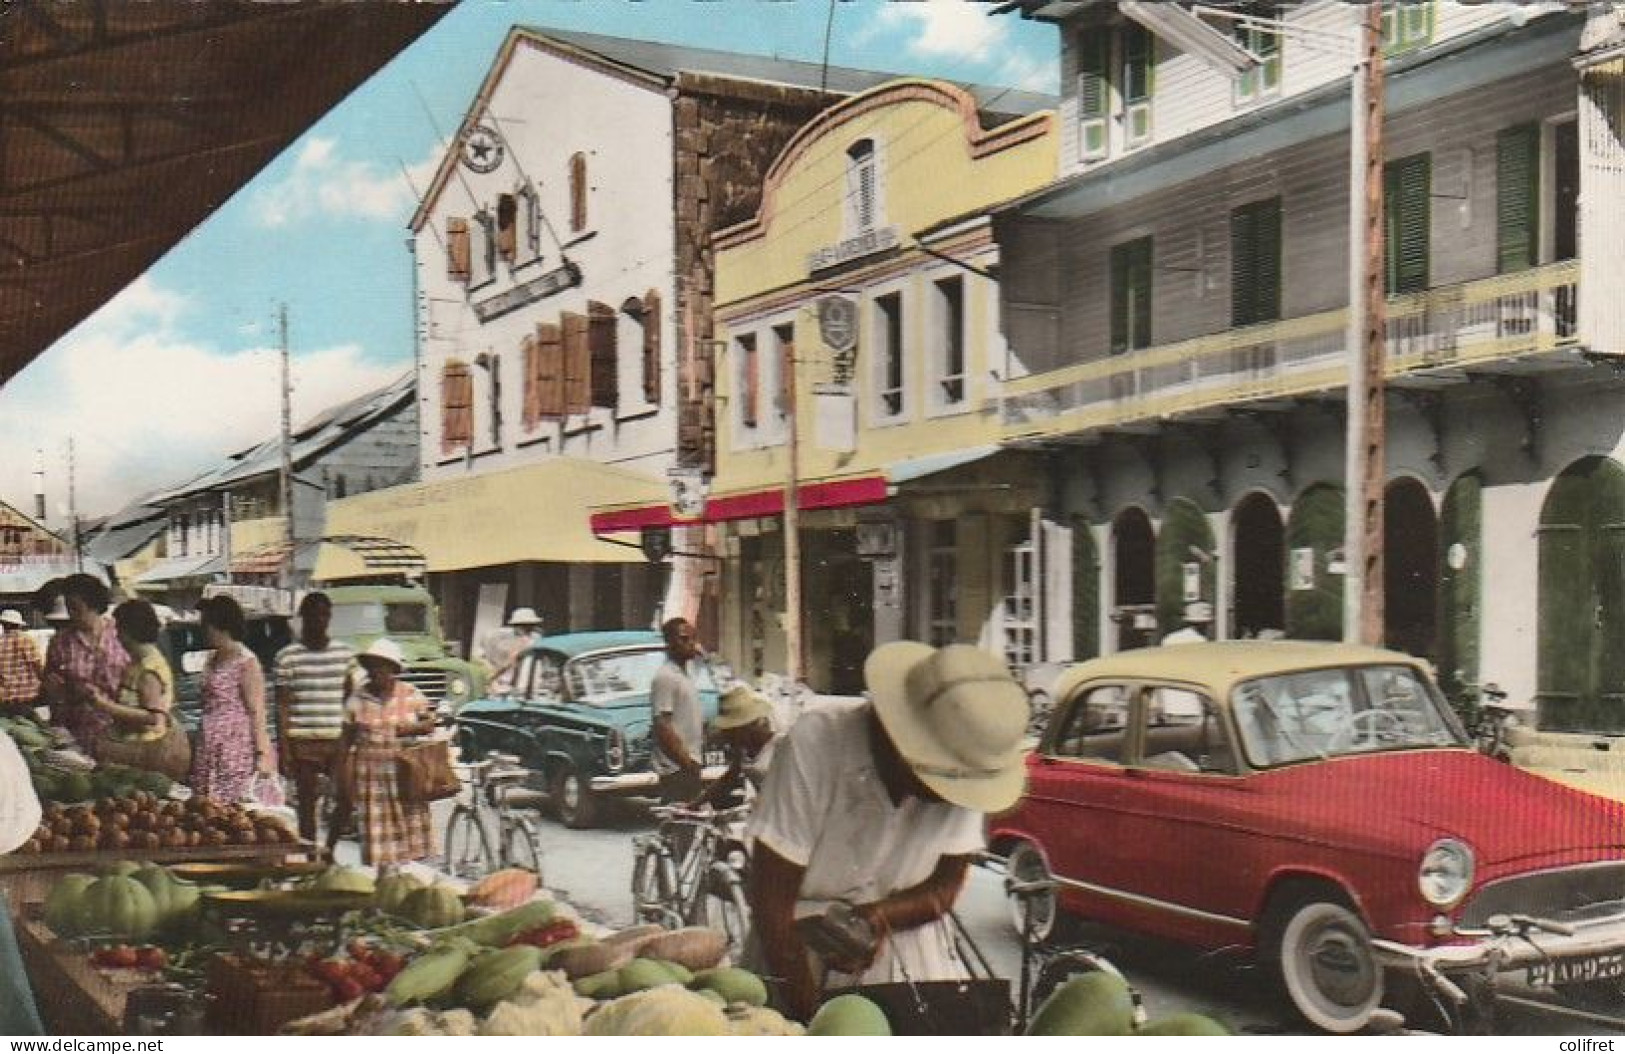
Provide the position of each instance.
(482, 149)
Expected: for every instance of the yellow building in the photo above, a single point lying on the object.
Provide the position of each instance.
(867, 281)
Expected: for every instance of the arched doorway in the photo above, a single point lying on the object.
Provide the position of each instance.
(1134, 579)
(1258, 585)
(1185, 563)
(1085, 591)
(1314, 595)
(1582, 599)
(1460, 577)
(1410, 573)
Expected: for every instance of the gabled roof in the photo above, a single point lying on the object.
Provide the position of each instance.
(310, 440)
(658, 65)
(125, 532)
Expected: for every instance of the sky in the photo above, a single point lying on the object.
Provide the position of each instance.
(180, 370)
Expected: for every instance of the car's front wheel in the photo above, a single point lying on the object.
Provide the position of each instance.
(1327, 966)
(574, 803)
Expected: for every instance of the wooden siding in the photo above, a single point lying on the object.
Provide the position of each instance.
(384, 455)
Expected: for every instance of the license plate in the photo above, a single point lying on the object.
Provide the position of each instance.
(1578, 970)
(715, 757)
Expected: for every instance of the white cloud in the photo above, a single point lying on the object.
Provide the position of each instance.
(324, 185)
(146, 407)
(946, 28)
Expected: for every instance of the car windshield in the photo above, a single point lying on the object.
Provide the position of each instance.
(374, 617)
(1328, 713)
(599, 679)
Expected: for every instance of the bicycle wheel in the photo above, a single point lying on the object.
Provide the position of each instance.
(520, 847)
(652, 895)
(727, 910)
(468, 846)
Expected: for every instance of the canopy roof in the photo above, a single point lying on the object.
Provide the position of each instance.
(123, 126)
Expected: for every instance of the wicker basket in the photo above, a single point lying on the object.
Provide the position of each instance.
(254, 997)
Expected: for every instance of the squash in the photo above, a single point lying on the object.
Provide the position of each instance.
(507, 888)
(118, 906)
(433, 907)
(393, 891)
(175, 899)
(64, 906)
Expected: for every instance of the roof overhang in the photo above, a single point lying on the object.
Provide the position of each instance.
(123, 126)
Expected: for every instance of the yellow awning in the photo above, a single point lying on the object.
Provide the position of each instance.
(535, 513)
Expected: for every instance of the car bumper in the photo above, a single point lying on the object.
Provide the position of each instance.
(1594, 949)
(636, 784)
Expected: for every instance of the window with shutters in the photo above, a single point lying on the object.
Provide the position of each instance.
(1094, 93)
(529, 213)
(604, 354)
(1406, 25)
(1407, 220)
(650, 320)
(457, 249)
(1255, 263)
(784, 368)
(578, 192)
(862, 187)
(483, 247)
(1131, 295)
(507, 227)
(1137, 51)
(577, 364)
(888, 329)
(550, 369)
(1264, 80)
(948, 324)
(456, 406)
(1517, 198)
(749, 378)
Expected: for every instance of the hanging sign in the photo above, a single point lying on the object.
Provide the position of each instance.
(838, 325)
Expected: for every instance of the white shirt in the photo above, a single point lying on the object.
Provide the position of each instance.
(825, 807)
(19, 805)
(674, 693)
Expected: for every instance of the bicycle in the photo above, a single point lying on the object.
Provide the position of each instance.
(469, 850)
(691, 872)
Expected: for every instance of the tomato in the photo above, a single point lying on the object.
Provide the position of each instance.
(151, 958)
(121, 956)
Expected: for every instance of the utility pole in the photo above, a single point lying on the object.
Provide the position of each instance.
(73, 512)
(792, 531)
(285, 578)
(1366, 336)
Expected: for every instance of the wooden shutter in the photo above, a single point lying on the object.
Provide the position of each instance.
(1137, 56)
(1408, 213)
(651, 347)
(1517, 198)
(507, 226)
(530, 391)
(603, 355)
(456, 405)
(1094, 61)
(1255, 263)
(578, 192)
(549, 371)
(457, 250)
(577, 365)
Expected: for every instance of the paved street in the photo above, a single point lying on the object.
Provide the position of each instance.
(592, 870)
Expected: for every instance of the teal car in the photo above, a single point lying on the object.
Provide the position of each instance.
(578, 717)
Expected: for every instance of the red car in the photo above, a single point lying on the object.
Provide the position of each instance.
(1318, 803)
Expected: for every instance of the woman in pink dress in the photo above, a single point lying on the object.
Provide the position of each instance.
(382, 710)
(233, 745)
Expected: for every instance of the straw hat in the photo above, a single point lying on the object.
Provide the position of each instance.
(739, 706)
(956, 716)
(385, 650)
(13, 617)
(524, 617)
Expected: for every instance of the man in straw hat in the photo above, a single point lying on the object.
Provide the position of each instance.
(20, 665)
(743, 728)
(879, 807)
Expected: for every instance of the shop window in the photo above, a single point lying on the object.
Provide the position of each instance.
(949, 304)
(578, 193)
(749, 379)
(1406, 26)
(1255, 263)
(862, 187)
(942, 583)
(456, 406)
(457, 249)
(889, 354)
(1263, 80)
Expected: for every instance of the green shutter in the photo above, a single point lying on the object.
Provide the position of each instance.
(1581, 668)
(1094, 60)
(1085, 592)
(1517, 198)
(1255, 263)
(1407, 208)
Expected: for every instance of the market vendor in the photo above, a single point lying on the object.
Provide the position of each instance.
(879, 806)
(743, 728)
(20, 665)
(19, 817)
(84, 657)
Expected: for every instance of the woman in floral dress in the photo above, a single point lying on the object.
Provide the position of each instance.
(233, 745)
(382, 710)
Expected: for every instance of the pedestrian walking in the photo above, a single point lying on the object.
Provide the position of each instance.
(312, 675)
(382, 711)
(678, 722)
(504, 647)
(871, 815)
(21, 665)
(233, 746)
(84, 657)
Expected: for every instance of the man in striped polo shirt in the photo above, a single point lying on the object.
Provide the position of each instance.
(312, 676)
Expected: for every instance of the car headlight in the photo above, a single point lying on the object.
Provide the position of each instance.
(457, 686)
(1446, 872)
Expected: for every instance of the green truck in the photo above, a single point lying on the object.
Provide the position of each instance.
(407, 615)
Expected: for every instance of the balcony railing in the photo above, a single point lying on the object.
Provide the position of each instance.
(1511, 315)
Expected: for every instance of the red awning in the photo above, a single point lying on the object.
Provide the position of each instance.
(830, 494)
